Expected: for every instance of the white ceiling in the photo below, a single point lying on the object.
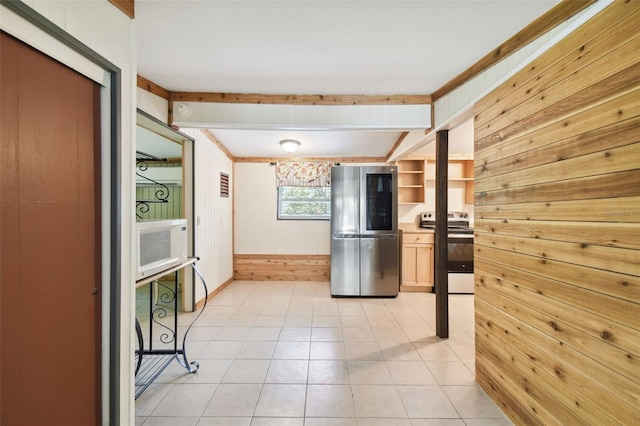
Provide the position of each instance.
(319, 48)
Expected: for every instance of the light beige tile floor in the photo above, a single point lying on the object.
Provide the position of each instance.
(274, 353)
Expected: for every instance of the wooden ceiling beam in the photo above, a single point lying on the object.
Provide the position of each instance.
(217, 143)
(552, 18)
(333, 159)
(395, 146)
(253, 98)
(126, 6)
(152, 87)
(242, 98)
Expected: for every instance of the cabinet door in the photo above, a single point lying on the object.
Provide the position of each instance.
(425, 265)
(409, 267)
(417, 264)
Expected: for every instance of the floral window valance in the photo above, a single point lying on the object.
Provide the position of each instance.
(303, 173)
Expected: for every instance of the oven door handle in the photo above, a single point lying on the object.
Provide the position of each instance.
(460, 239)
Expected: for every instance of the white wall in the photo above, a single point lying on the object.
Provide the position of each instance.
(257, 229)
(460, 142)
(110, 33)
(153, 105)
(213, 225)
(214, 214)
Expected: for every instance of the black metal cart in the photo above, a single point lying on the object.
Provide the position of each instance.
(150, 361)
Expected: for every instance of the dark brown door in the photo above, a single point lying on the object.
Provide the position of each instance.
(49, 241)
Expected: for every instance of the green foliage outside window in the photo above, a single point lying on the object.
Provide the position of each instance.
(304, 203)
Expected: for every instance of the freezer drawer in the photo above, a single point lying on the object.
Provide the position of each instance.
(345, 273)
(379, 266)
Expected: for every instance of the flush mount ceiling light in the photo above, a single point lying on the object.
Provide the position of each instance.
(289, 145)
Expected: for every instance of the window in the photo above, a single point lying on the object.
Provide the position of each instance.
(296, 202)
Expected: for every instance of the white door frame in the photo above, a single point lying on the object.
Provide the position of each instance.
(32, 28)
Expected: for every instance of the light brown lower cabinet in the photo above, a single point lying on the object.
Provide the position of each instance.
(417, 262)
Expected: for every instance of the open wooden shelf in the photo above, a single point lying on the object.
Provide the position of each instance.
(411, 181)
(460, 170)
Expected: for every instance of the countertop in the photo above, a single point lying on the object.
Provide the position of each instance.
(413, 228)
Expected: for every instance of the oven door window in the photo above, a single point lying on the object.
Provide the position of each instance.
(460, 253)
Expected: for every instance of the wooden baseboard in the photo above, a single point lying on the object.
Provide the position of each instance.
(200, 303)
(417, 288)
(281, 267)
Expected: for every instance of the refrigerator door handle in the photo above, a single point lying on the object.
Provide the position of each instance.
(341, 236)
(380, 236)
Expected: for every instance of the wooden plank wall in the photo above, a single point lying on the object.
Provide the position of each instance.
(557, 253)
(147, 191)
(281, 267)
(157, 211)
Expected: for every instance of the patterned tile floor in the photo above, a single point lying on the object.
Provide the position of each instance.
(286, 353)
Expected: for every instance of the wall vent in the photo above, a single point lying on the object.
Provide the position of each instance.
(224, 185)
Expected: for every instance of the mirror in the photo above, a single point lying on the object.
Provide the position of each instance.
(159, 172)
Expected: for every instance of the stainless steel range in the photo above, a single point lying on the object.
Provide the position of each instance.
(459, 249)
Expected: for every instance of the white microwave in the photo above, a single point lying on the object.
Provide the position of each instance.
(161, 245)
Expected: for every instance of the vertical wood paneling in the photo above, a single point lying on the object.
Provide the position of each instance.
(146, 190)
(214, 215)
(557, 221)
(157, 211)
(257, 229)
(126, 6)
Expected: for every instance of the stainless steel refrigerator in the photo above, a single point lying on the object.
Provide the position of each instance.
(364, 231)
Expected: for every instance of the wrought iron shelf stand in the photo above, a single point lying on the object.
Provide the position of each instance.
(150, 362)
(162, 193)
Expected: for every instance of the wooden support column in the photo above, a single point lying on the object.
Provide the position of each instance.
(441, 255)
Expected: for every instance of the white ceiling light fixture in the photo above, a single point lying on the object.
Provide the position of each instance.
(289, 145)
